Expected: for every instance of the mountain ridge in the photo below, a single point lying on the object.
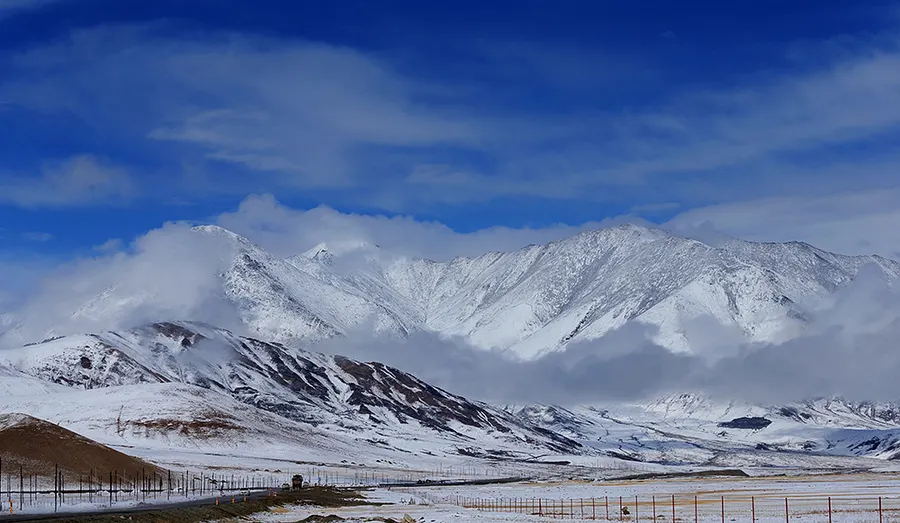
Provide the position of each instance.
(528, 301)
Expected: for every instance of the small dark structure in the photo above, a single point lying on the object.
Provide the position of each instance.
(296, 482)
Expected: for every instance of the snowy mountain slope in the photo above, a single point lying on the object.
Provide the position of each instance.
(532, 300)
(270, 296)
(173, 415)
(7, 322)
(277, 298)
(356, 399)
(187, 384)
(687, 428)
(14, 383)
(541, 297)
(182, 385)
(171, 422)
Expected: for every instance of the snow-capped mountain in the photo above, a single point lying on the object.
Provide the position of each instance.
(541, 297)
(689, 428)
(531, 300)
(188, 385)
(355, 399)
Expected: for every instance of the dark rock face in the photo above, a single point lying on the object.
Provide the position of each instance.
(749, 423)
(377, 385)
(794, 414)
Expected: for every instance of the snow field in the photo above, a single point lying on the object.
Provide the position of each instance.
(854, 499)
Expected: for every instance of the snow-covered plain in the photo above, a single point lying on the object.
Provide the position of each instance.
(853, 498)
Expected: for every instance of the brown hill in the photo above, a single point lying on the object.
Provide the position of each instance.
(40, 446)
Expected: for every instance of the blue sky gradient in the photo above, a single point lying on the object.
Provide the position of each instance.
(758, 119)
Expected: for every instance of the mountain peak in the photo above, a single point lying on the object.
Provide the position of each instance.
(636, 230)
(532, 300)
(217, 231)
(328, 251)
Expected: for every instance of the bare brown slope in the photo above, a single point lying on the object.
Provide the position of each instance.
(39, 446)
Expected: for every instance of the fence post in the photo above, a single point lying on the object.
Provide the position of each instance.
(621, 513)
(636, 510)
(653, 501)
(673, 507)
(696, 513)
(787, 517)
(607, 508)
(723, 509)
(753, 509)
(880, 513)
(829, 509)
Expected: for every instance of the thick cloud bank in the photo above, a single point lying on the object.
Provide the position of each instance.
(850, 350)
(285, 231)
(169, 273)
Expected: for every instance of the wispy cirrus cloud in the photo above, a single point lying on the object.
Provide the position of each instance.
(37, 236)
(240, 113)
(293, 109)
(7, 6)
(709, 129)
(286, 231)
(853, 222)
(76, 181)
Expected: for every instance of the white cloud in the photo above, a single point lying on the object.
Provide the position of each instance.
(286, 231)
(848, 350)
(344, 126)
(77, 181)
(167, 273)
(7, 6)
(858, 222)
(21, 273)
(37, 236)
(296, 108)
(710, 129)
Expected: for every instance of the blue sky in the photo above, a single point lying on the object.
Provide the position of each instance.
(758, 119)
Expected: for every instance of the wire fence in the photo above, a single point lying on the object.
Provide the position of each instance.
(696, 508)
(22, 491)
(40, 493)
(366, 477)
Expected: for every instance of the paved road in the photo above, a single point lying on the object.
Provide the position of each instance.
(115, 511)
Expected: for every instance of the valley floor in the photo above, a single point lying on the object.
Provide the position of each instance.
(854, 498)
